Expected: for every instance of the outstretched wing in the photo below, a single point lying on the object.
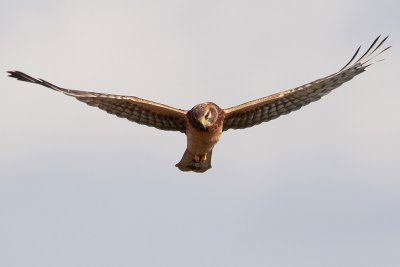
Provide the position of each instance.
(132, 108)
(271, 107)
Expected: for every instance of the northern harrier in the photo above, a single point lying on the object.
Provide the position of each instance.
(204, 123)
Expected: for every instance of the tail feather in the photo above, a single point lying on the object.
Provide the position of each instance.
(188, 163)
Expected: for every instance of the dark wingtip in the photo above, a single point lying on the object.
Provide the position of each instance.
(26, 78)
(369, 49)
(385, 49)
(17, 75)
(352, 58)
(21, 76)
(12, 73)
(369, 54)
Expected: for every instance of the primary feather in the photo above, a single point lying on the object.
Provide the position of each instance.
(271, 107)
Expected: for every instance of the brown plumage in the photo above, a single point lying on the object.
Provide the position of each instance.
(204, 123)
(201, 136)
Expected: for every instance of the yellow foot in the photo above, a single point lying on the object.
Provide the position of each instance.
(200, 158)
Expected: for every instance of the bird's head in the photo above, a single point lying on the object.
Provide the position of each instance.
(204, 115)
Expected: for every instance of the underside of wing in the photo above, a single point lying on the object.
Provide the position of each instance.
(271, 107)
(132, 108)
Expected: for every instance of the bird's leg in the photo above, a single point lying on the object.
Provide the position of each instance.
(200, 158)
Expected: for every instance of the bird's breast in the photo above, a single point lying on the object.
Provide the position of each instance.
(201, 142)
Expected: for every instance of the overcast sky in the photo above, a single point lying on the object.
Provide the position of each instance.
(79, 187)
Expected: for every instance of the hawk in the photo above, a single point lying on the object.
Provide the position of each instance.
(205, 122)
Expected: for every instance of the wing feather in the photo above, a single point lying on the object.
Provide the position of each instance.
(271, 107)
(132, 108)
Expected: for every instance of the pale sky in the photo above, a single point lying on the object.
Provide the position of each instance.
(79, 187)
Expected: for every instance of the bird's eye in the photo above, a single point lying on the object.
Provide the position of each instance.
(207, 115)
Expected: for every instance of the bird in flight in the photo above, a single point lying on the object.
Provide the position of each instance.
(205, 122)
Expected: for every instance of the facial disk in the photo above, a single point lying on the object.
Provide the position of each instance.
(204, 115)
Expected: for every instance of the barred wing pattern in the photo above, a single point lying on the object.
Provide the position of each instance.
(271, 107)
(132, 108)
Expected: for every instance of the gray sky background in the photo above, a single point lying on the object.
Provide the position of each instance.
(79, 187)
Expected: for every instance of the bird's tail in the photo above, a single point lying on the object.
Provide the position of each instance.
(188, 163)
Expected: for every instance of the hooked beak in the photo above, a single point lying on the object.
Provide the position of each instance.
(203, 123)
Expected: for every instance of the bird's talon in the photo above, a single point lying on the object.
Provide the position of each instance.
(200, 158)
